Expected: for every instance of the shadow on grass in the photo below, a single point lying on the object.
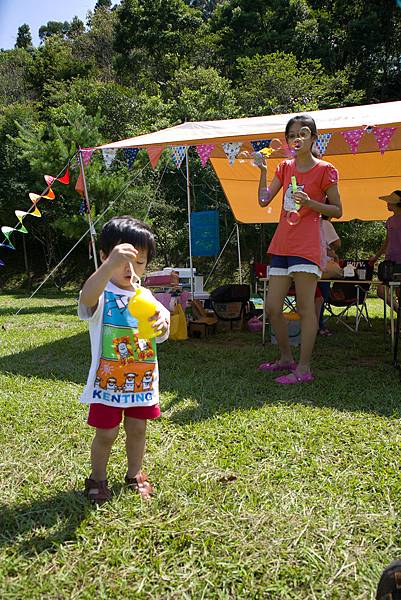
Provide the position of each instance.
(70, 309)
(353, 373)
(67, 359)
(42, 525)
(207, 377)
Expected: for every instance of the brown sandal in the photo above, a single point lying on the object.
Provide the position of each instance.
(140, 484)
(97, 491)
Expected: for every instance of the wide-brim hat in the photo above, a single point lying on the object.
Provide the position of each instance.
(393, 198)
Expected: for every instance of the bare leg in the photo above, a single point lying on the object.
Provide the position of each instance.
(380, 293)
(305, 286)
(278, 289)
(100, 451)
(318, 308)
(135, 430)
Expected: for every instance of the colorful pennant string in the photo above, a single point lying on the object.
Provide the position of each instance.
(383, 137)
(258, 145)
(178, 153)
(204, 151)
(353, 138)
(109, 155)
(79, 186)
(64, 179)
(130, 155)
(154, 153)
(231, 149)
(322, 142)
(86, 155)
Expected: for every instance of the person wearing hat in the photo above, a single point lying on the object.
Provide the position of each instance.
(391, 246)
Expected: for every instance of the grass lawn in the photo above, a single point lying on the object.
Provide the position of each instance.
(262, 491)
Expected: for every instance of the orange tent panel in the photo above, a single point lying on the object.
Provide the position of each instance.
(363, 176)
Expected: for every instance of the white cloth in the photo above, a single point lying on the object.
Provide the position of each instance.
(124, 370)
(329, 233)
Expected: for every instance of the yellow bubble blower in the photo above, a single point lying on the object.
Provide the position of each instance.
(142, 306)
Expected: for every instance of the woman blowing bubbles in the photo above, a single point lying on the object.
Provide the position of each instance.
(296, 248)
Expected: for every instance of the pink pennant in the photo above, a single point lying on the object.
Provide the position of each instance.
(154, 153)
(383, 137)
(49, 179)
(353, 138)
(204, 151)
(86, 155)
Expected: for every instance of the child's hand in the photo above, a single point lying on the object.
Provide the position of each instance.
(160, 324)
(301, 198)
(122, 253)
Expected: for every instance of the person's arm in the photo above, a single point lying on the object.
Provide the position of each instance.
(266, 193)
(332, 208)
(332, 249)
(382, 250)
(96, 283)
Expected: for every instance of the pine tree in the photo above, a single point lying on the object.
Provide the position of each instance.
(24, 38)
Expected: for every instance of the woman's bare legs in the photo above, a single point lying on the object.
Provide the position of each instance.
(305, 287)
(278, 289)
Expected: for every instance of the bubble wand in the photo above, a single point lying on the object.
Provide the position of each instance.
(293, 216)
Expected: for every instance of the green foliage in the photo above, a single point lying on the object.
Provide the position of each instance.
(155, 35)
(24, 37)
(144, 65)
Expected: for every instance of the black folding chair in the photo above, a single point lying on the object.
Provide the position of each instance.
(230, 302)
(350, 294)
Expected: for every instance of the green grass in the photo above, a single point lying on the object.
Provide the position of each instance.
(262, 491)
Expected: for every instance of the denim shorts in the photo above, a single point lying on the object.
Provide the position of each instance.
(286, 265)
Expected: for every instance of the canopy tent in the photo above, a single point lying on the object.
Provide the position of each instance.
(364, 174)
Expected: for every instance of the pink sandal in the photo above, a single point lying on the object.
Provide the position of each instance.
(294, 378)
(276, 366)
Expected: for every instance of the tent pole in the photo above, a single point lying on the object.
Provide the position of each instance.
(239, 254)
(189, 223)
(218, 258)
(90, 222)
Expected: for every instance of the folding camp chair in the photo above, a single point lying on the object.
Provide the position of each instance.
(230, 302)
(348, 294)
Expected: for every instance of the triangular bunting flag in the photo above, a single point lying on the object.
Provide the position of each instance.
(79, 186)
(7, 231)
(154, 153)
(353, 138)
(178, 153)
(322, 142)
(383, 137)
(20, 214)
(64, 179)
(231, 149)
(204, 151)
(109, 155)
(9, 245)
(86, 154)
(83, 209)
(130, 155)
(260, 144)
(50, 195)
(34, 197)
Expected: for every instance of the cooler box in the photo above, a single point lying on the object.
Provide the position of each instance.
(294, 328)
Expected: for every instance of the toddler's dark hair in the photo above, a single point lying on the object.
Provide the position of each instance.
(127, 230)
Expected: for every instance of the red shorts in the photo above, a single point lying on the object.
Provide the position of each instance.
(107, 417)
